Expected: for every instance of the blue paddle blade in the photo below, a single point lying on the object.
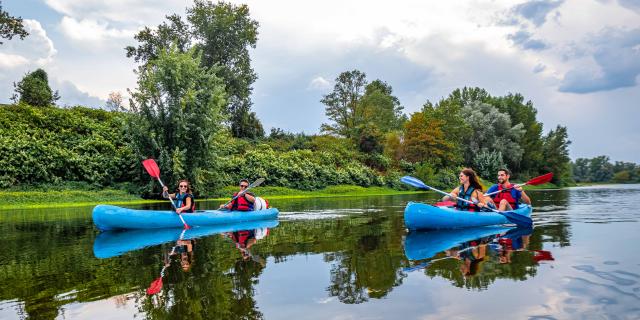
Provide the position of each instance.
(520, 220)
(414, 182)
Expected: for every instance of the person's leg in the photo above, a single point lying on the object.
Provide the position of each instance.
(504, 205)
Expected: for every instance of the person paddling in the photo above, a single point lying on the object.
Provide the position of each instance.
(183, 199)
(469, 189)
(509, 195)
(243, 202)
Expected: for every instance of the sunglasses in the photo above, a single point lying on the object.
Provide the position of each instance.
(183, 186)
(244, 185)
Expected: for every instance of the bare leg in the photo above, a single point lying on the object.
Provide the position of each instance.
(505, 206)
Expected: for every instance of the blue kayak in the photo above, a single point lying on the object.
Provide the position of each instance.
(114, 243)
(107, 217)
(420, 216)
(419, 245)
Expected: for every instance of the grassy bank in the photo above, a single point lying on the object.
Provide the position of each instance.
(25, 199)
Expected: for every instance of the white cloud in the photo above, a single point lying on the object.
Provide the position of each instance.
(9, 61)
(92, 31)
(319, 83)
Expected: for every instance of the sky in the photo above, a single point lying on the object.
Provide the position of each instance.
(578, 61)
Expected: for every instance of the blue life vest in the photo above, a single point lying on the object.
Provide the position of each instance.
(181, 199)
(461, 205)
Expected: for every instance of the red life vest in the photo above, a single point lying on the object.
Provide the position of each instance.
(507, 195)
(241, 203)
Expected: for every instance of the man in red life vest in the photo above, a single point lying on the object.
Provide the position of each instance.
(245, 201)
(510, 194)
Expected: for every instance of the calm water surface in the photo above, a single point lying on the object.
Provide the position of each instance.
(346, 258)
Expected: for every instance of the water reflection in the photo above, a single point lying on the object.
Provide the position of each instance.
(474, 257)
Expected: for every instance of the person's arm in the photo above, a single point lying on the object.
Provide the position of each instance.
(166, 194)
(187, 205)
(250, 197)
(453, 195)
(481, 198)
(525, 198)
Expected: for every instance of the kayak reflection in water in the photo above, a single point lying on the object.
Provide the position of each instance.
(245, 239)
(185, 249)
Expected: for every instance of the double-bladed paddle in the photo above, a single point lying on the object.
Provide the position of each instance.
(254, 184)
(152, 168)
(533, 182)
(520, 220)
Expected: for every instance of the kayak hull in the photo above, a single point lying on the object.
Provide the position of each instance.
(107, 217)
(116, 242)
(422, 216)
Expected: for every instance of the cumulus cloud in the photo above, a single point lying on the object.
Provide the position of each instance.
(92, 31)
(630, 4)
(130, 11)
(536, 11)
(319, 83)
(616, 54)
(523, 39)
(71, 95)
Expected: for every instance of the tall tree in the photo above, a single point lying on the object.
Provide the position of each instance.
(342, 104)
(556, 155)
(381, 108)
(11, 26)
(176, 113)
(426, 141)
(491, 130)
(223, 33)
(34, 90)
(531, 140)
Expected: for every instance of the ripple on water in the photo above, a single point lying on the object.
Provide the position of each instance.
(323, 214)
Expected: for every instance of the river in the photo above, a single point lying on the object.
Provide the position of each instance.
(341, 258)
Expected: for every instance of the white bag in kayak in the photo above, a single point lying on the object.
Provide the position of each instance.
(260, 204)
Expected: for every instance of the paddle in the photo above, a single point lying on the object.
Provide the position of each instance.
(156, 285)
(254, 184)
(520, 220)
(152, 168)
(533, 182)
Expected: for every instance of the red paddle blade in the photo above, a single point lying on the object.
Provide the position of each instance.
(541, 179)
(542, 255)
(155, 286)
(152, 168)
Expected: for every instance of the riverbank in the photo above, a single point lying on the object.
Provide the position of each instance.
(79, 198)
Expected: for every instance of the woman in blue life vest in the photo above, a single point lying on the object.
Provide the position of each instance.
(469, 189)
(183, 198)
(244, 202)
(509, 195)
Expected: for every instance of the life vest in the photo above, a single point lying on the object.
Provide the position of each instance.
(242, 237)
(461, 205)
(241, 203)
(181, 199)
(510, 195)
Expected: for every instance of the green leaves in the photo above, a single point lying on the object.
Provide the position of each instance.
(34, 90)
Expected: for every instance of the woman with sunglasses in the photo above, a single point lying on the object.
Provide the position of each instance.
(244, 202)
(183, 199)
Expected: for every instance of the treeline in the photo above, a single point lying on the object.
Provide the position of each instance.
(600, 169)
(191, 112)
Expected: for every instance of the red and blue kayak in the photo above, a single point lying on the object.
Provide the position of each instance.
(422, 216)
(107, 217)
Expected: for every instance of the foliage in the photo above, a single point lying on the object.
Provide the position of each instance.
(487, 163)
(491, 130)
(10, 26)
(176, 114)
(53, 145)
(600, 169)
(223, 33)
(556, 154)
(34, 90)
(363, 112)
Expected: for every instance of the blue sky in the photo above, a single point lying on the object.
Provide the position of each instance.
(577, 61)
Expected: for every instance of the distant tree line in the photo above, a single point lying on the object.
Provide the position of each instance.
(600, 169)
